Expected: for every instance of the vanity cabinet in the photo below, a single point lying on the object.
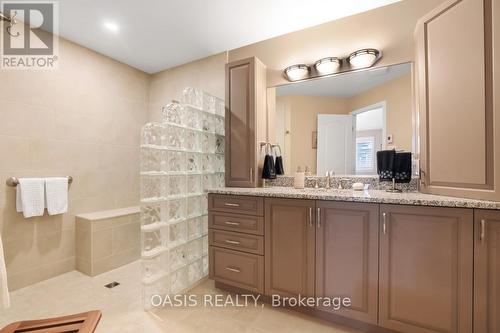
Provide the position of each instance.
(426, 269)
(347, 236)
(246, 121)
(486, 271)
(458, 99)
(290, 231)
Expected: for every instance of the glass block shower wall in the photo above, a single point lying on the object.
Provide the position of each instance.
(181, 157)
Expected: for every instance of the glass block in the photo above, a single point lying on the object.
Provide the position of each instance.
(192, 97)
(207, 163)
(194, 206)
(150, 160)
(219, 180)
(192, 141)
(150, 188)
(150, 214)
(152, 134)
(176, 185)
(219, 162)
(195, 271)
(219, 125)
(178, 257)
(174, 137)
(207, 143)
(194, 249)
(178, 281)
(194, 228)
(208, 103)
(176, 161)
(156, 266)
(193, 185)
(151, 240)
(219, 144)
(176, 210)
(192, 118)
(207, 122)
(173, 113)
(177, 233)
(206, 182)
(204, 204)
(205, 265)
(204, 224)
(220, 107)
(193, 162)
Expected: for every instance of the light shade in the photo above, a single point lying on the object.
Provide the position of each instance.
(327, 65)
(297, 72)
(364, 58)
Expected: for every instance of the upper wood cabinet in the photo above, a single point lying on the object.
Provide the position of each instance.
(426, 269)
(289, 247)
(347, 257)
(486, 271)
(458, 99)
(246, 121)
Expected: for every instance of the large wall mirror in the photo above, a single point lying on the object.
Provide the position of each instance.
(338, 123)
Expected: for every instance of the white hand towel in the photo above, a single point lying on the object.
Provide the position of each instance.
(31, 196)
(56, 194)
(4, 289)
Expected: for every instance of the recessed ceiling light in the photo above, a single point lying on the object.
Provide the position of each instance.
(297, 72)
(364, 58)
(111, 26)
(327, 65)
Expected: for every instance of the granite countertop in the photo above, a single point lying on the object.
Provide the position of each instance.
(373, 196)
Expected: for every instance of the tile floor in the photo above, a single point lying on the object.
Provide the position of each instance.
(74, 292)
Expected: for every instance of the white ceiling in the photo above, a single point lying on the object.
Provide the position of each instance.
(345, 85)
(154, 35)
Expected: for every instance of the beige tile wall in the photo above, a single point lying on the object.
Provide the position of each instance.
(206, 74)
(83, 120)
(104, 243)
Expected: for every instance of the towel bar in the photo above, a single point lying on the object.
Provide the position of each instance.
(13, 181)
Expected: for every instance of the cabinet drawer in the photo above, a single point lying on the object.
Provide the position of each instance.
(235, 222)
(237, 241)
(236, 204)
(242, 270)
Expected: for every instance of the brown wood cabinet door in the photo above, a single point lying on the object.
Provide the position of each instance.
(240, 124)
(458, 104)
(486, 271)
(426, 269)
(289, 247)
(347, 257)
(246, 121)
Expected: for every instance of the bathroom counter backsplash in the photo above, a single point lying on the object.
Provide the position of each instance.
(347, 181)
(368, 196)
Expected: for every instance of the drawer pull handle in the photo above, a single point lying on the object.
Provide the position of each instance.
(232, 223)
(483, 230)
(318, 213)
(384, 223)
(231, 204)
(232, 242)
(310, 216)
(233, 269)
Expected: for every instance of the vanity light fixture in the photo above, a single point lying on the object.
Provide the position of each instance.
(327, 65)
(363, 58)
(297, 72)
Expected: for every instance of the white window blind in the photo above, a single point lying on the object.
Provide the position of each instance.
(365, 154)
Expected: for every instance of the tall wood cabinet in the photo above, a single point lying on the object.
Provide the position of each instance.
(246, 121)
(347, 256)
(486, 271)
(458, 99)
(426, 269)
(289, 247)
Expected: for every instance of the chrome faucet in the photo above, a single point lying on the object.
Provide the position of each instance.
(329, 175)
